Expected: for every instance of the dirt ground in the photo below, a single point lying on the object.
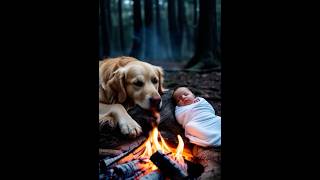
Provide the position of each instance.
(206, 84)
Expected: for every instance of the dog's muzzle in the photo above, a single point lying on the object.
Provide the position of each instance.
(155, 103)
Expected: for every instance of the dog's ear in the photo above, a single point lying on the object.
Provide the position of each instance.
(160, 74)
(117, 85)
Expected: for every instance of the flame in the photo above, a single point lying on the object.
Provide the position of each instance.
(155, 142)
(179, 151)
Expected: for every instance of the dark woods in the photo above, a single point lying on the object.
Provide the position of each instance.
(184, 31)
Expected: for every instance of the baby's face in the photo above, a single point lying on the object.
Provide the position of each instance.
(183, 96)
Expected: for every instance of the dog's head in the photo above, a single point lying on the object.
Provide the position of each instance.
(137, 81)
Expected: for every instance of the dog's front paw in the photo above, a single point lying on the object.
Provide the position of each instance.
(130, 128)
(107, 123)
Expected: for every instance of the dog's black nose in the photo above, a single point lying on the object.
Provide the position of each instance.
(155, 103)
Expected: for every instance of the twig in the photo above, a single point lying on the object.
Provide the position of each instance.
(109, 152)
(108, 162)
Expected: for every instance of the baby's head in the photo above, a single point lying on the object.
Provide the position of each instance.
(183, 96)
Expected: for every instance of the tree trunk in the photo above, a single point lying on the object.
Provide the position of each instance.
(122, 48)
(149, 29)
(189, 38)
(108, 14)
(195, 22)
(195, 14)
(206, 46)
(187, 42)
(138, 36)
(104, 29)
(181, 24)
(161, 49)
(218, 20)
(214, 29)
(158, 26)
(173, 29)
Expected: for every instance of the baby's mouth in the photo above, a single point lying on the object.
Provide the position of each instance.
(185, 101)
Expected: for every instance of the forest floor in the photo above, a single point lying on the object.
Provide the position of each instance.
(205, 83)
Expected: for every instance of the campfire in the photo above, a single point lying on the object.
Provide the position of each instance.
(153, 159)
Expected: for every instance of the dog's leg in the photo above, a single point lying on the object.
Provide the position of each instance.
(107, 121)
(120, 116)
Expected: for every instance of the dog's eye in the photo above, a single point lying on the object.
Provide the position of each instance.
(138, 83)
(154, 80)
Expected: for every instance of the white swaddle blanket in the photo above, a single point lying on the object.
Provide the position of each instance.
(202, 126)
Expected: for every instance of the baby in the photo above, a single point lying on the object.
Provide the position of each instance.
(197, 116)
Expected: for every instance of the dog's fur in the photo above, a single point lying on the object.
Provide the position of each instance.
(123, 83)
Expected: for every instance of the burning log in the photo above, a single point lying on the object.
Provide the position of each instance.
(131, 153)
(109, 152)
(108, 162)
(136, 162)
(169, 167)
(135, 169)
(123, 171)
(154, 175)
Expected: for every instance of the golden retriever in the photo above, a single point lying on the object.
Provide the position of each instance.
(123, 83)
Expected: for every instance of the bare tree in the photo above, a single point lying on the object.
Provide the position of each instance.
(137, 35)
(108, 16)
(120, 26)
(161, 49)
(181, 26)
(149, 29)
(184, 30)
(206, 46)
(173, 29)
(195, 14)
(158, 26)
(104, 31)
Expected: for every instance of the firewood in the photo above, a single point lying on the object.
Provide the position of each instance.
(135, 169)
(109, 152)
(126, 170)
(154, 175)
(131, 153)
(109, 161)
(169, 167)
